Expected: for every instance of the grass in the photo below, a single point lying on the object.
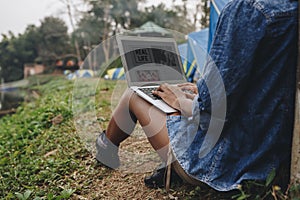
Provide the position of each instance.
(47, 149)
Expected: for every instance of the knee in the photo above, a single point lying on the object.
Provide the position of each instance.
(130, 99)
(125, 98)
(133, 101)
(136, 102)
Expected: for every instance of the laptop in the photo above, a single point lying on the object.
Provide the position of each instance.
(149, 62)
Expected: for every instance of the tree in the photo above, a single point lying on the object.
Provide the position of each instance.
(109, 17)
(44, 44)
(68, 4)
(205, 8)
(9, 64)
(55, 41)
(174, 19)
(88, 32)
(30, 41)
(104, 19)
(15, 51)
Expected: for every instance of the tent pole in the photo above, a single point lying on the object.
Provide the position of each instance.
(295, 165)
(216, 7)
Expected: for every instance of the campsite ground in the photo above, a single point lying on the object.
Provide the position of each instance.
(47, 149)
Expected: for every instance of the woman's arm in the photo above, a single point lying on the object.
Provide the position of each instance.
(176, 98)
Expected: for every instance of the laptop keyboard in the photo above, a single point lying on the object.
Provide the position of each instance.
(148, 91)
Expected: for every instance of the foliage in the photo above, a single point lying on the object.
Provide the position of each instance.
(54, 39)
(174, 19)
(41, 159)
(204, 20)
(26, 140)
(109, 17)
(15, 51)
(50, 41)
(104, 19)
(24, 196)
(41, 44)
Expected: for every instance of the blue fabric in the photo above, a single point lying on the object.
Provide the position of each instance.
(213, 15)
(117, 74)
(255, 52)
(190, 62)
(195, 55)
(182, 48)
(220, 3)
(215, 7)
(197, 44)
(184, 51)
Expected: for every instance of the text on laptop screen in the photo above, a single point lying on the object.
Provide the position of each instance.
(152, 61)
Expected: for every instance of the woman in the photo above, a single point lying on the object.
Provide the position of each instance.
(254, 54)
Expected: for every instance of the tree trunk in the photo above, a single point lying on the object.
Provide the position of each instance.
(106, 40)
(73, 27)
(295, 167)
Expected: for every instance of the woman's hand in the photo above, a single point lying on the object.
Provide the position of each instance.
(175, 97)
(170, 94)
(190, 89)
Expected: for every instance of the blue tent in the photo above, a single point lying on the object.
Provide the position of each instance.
(116, 74)
(199, 43)
(197, 51)
(183, 48)
(193, 52)
(216, 7)
(81, 73)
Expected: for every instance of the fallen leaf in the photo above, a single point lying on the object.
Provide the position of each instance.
(50, 153)
(57, 120)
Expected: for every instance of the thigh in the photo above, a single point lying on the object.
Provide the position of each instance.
(153, 122)
(151, 119)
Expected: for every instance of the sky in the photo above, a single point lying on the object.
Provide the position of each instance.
(16, 15)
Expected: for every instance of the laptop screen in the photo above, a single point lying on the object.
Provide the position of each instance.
(151, 60)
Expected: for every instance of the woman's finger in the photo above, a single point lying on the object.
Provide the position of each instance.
(189, 86)
(186, 84)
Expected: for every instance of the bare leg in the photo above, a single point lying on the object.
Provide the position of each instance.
(122, 122)
(132, 108)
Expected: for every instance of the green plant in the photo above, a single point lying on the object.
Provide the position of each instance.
(41, 159)
(242, 195)
(24, 196)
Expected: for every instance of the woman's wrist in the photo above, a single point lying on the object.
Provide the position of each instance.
(184, 105)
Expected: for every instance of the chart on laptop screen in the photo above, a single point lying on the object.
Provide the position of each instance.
(152, 61)
(155, 56)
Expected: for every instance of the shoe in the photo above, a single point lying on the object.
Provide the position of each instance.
(107, 152)
(157, 179)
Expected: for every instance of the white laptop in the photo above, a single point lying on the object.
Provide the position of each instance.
(149, 62)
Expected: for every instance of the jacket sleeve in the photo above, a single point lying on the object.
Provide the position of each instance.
(239, 32)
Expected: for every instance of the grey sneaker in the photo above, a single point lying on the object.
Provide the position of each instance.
(107, 152)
